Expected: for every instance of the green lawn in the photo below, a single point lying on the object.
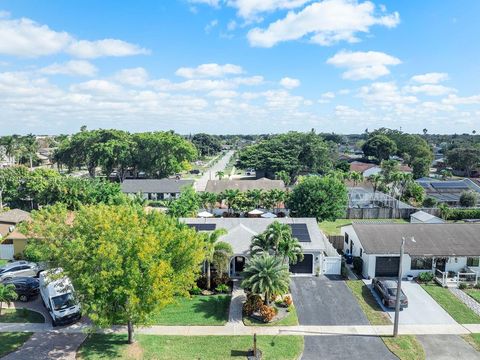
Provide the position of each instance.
(290, 320)
(333, 227)
(405, 347)
(20, 316)
(148, 347)
(457, 309)
(10, 341)
(2, 262)
(473, 339)
(197, 310)
(474, 293)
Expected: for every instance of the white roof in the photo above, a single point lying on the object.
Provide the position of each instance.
(423, 216)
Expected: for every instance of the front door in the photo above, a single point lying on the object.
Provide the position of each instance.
(440, 264)
(237, 265)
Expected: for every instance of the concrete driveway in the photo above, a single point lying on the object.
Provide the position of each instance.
(422, 309)
(322, 301)
(447, 347)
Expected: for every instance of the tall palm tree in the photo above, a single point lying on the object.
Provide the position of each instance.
(211, 239)
(375, 180)
(7, 295)
(255, 195)
(277, 232)
(220, 174)
(260, 244)
(230, 195)
(267, 275)
(290, 250)
(222, 254)
(356, 177)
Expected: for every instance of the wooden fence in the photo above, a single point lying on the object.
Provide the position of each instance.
(337, 241)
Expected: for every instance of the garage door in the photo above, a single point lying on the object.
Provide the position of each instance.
(387, 266)
(303, 267)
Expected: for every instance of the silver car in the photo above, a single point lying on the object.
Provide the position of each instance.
(18, 269)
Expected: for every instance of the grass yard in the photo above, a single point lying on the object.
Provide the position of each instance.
(457, 309)
(290, 320)
(3, 262)
(148, 347)
(333, 227)
(197, 310)
(405, 347)
(21, 316)
(10, 341)
(473, 340)
(474, 294)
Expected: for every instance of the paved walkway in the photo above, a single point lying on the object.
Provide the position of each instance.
(210, 174)
(238, 298)
(467, 300)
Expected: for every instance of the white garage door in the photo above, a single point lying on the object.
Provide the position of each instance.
(6, 252)
(332, 265)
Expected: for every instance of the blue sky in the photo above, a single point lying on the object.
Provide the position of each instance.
(239, 66)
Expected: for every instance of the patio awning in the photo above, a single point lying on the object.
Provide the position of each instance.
(268, 215)
(255, 212)
(204, 214)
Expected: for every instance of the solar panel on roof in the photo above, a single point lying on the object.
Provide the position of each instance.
(300, 231)
(449, 185)
(203, 227)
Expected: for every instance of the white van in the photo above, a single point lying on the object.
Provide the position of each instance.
(59, 297)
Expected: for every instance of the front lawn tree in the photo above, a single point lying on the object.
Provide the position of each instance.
(380, 147)
(7, 295)
(124, 263)
(324, 198)
(267, 275)
(468, 199)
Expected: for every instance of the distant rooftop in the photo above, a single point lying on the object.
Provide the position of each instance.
(154, 185)
(218, 186)
(14, 216)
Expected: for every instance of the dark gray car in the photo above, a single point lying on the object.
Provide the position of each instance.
(387, 290)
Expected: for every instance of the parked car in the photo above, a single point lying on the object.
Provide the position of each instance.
(58, 296)
(26, 288)
(387, 290)
(18, 269)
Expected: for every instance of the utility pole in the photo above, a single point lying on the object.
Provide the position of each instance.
(399, 289)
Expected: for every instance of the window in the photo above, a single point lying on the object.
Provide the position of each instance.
(473, 261)
(421, 264)
(361, 252)
(346, 238)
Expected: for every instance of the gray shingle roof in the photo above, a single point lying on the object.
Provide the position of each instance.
(14, 216)
(430, 239)
(241, 231)
(218, 186)
(154, 185)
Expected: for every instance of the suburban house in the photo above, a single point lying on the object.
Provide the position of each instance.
(422, 217)
(155, 189)
(319, 255)
(12, 242)
(368, 169)
(448, 192)
(450, 251)
(219, 186)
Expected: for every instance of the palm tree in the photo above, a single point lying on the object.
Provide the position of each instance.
(278, 196)
(223, 251)
(356, 177)
(230, 195)
(277, 232)
(255, 195)
(220, 174)
(375, 180)
(210, 240)
(7, 295)
(267, 200)
(267, 275)
(260, 244)
(290, 249)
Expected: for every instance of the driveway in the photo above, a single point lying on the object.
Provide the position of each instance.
(323, 301)
(211, 174)
(447, 347)
(422, 309)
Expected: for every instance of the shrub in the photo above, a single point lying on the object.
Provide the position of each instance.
(358, 264)
(429, 202)
(267, 313)
(463, 286)
(279, 302)
(288, 300)
(291, 308)
(195, 290)
(425, 276)
(461, 214)
(253, 303)
(222, 288)
(477, 286)
(221, 280)
(468, 199)
(202, 282)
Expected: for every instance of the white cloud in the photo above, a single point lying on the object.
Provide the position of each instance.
(326, 97)
(289, 83)
(73, 68)
(457, 100)
(213, 3)
(223, 93)
(211, 25)
(134, 76)
(107, 47)
(429, 89)
(385, 93)
(249, 9)
(325, 22)
(363, 65)
(430, 78)
(232, 25)
(97, 86)
(209, 71)
(27, 38)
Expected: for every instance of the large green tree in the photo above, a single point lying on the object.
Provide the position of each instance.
(324, 198)
(464, 159)
(206, 144)
(124, 263)
(380, 147)
(186, 205)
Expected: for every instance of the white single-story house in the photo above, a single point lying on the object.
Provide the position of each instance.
(155, 189)
(450, 251)
(319, 255)
(422, 217)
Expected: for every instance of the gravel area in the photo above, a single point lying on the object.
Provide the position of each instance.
(466, 299)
